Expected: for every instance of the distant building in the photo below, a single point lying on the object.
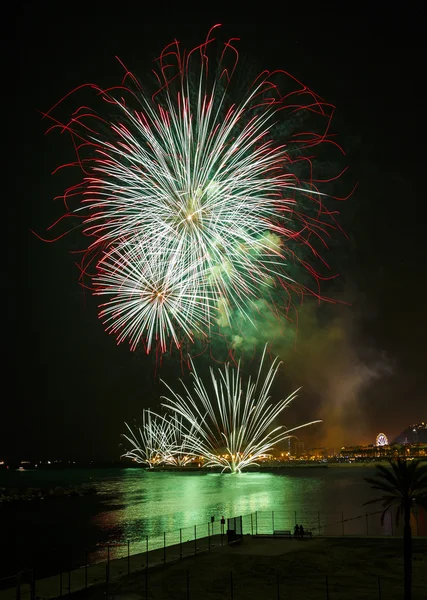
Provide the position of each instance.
(373, 452)
(320, 453)
(299, 448)
(414, 434)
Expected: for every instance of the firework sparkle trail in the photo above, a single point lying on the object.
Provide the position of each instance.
(192, 209)
(231, 424)
(159, 441)
(144, 440)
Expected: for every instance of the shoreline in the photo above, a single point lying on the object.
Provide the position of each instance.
(266, 468)
(7, 472)
(69, 466)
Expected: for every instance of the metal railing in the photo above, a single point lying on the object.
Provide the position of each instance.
(235, 585)
(334, 523)
(116, 559)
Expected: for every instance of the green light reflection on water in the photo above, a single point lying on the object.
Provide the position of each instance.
(150, 503)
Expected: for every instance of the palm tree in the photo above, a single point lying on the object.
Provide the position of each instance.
(404, 484)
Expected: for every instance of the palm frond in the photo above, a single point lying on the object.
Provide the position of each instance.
(403, 484)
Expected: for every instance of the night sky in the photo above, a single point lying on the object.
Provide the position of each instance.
(362, 365)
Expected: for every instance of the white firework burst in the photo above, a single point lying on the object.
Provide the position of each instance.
(150, 296)
(231, 425)
(144, 441)
(192, 205)
(159, 441)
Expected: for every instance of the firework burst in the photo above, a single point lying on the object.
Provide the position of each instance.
(144, 441)
(231, 425)
(159, 441)
(192, 209)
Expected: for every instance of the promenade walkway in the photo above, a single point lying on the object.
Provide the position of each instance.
(344, 568)
(106, 573)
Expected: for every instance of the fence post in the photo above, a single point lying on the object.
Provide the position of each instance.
(295, 512)
(209, 536)
(146, 553)
(164, 547)
(107, 571)
(180, 543)
(367, 528)
(195, 539)
(379, 588)
(18, 586)
(342, 522)
(33, 585)
(128, 557)
(272, 520)
(318, 520)
(327, 588)
(256, 522)
(231, 585)
(252, 525)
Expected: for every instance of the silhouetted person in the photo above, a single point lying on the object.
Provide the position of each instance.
(301, 531)
(296, 531)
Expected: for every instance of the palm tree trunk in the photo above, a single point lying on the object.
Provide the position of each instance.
(407, 555)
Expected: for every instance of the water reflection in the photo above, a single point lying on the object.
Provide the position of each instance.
(143, 503)
(133, 503)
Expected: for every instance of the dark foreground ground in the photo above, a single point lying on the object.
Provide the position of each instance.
(271, 569)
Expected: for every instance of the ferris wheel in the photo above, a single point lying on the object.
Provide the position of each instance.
(381, 440)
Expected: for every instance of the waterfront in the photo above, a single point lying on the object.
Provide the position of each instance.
(132, 503)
